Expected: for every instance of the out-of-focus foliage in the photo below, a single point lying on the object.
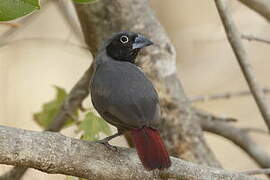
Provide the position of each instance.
(92, 126)
(12, 9)
(74, 178)
(84, 1)
(49, 110)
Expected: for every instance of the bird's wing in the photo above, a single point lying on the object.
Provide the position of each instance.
(124, 96)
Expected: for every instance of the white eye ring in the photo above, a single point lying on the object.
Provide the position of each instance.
(124, 39)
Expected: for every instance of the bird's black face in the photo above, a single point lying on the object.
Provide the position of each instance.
(125, 46)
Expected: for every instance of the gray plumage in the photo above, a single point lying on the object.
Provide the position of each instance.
(123, 95)
(125, 98)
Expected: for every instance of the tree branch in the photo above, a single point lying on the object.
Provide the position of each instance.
(15, 173)
(10, 24)
(250, 37)
(226, 95)
(73, 101)
(257, 171)
(234, 38)
(68, 13)
(260, 6)
(55, 153)
(239, 137)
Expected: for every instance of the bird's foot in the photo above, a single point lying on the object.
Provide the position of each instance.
(105, 142)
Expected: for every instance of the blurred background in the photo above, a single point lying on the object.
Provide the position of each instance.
(47, 52)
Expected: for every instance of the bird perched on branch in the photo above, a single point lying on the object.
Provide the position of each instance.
(125, 98)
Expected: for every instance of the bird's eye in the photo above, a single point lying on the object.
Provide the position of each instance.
(123, 39)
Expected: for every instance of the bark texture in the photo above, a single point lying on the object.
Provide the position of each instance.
(55, 153)
(180, 128)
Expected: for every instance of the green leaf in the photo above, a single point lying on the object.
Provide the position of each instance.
(12, 9)
(92, 126)
(50, 109)
(84, 1)
(71, 178)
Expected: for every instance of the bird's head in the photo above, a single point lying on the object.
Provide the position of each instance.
(124, 46)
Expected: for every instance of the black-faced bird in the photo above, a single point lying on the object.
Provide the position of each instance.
(125, 98)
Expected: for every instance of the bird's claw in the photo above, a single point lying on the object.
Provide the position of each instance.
(107, 145)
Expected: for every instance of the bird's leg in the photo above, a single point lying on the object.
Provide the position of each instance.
(106, 140)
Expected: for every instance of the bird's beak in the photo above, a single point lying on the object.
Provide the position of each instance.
(140, 42)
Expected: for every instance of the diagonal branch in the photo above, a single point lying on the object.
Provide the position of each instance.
(250, 37)
(15, 173)
(260, 6)
(239, 137)
(226, 95)
(68, 13)
(257, 171)
(10, 24)
(234, 38)
(73, 101)
(55, 153)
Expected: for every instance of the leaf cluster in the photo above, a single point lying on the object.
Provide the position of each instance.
(13, 9)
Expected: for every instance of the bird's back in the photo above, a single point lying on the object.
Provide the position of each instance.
(122, 90)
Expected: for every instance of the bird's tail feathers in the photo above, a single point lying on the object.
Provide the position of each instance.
(150, 148)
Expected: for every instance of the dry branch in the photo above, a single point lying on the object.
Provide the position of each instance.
(257, 171)
(73, 101)
(15, 173)
(226, 95)
(250, 37)
(239, 137)
(10, 24)
(255, 130)
(234, 38)
(55, 153)
(260, 6)
(69, 15)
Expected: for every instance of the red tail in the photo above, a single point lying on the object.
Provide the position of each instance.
(150, 148)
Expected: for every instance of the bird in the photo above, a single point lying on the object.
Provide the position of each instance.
(125, 98)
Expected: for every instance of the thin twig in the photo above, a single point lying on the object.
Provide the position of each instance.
(239, 137)
(10, 24)
(251, 37)
(255, 130)
(207, 115)
(257, 171)
(68, 13)
(234, 38)
(226, 95)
